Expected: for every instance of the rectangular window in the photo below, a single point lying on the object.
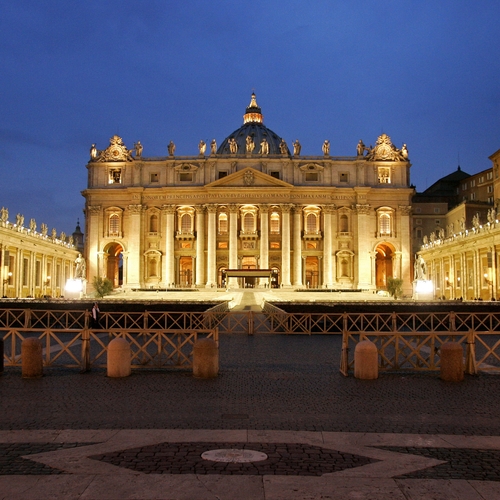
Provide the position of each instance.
(418, 222)
(186, 177)
(473, 196)
(154, 177)
(343, 177)
(275, 245)
(311, 176)
(489, 176)
(489, 189)
(222, 174)
(436, 210)
(223, 245)
(274, 174)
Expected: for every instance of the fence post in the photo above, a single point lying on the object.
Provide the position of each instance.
(85, 363)
(470, 354)
(344, 357)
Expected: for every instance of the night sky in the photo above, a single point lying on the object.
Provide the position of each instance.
(425, 72)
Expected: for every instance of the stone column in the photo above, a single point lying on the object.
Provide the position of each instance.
(328, 210)
(285, 239)
(233, 243)
(264, 240)
(134, 246)
(169, 262)
(364, 267)
(405, 237)
(297, 247)
(211, 247)
(200, 246)
(92, 243)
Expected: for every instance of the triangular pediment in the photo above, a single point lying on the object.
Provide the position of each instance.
(249, 178)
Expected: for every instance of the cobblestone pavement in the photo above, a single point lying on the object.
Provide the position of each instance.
(404, 436)
(266, 382)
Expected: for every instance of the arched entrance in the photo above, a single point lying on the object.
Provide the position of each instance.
(186, 271)
(114, 264)
(248, 263)
(312, 272)
(383, 264)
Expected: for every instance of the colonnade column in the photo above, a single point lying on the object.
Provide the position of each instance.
(327, 246)
(233, 243)
(364, 268)
(169, 262)
(264, 240)
(297, 247)
(285, 254)
(200, 246)
(93, 216)
(405, 262)
(134, 247)
(211, 246)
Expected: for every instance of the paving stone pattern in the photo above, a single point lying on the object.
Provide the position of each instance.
(12, 463)
(185, 458)
(266, 382)
(461, 463)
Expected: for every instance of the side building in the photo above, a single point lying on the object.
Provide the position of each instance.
(35, 263)
(461, 241)
(250, 203)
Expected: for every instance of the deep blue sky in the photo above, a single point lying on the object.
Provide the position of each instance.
(426, 72)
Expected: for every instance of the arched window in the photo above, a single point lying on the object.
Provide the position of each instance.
(384, 223)
(248, 222)
(311, 223)
(275, 223)
(344, 224)
(153, 224)
(114, 225)
(186, 223)
(223, 223)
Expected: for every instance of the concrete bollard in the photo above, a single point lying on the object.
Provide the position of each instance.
(205, 358)
(31, 358)
(119, 358)
(452, 362)
(366, 360)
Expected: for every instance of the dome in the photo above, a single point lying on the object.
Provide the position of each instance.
(253, 128)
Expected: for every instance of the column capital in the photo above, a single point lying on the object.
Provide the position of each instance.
(135, 209)
(329, 209)
(211, 208)
(168, 209)
(94, 209)
(362, 209)
(264, 209)
(287, 207)
(405, 209)
(200, 209)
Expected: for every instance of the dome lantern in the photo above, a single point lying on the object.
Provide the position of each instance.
(253, 113)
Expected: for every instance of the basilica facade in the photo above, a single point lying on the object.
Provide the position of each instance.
(250, 203)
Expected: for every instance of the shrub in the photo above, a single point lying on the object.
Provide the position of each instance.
(102, 286)
(395, 287)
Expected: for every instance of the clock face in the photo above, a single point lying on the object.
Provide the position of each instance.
(384, 151)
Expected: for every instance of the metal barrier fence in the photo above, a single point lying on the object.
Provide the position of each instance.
(157, 340)
(405, 341)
